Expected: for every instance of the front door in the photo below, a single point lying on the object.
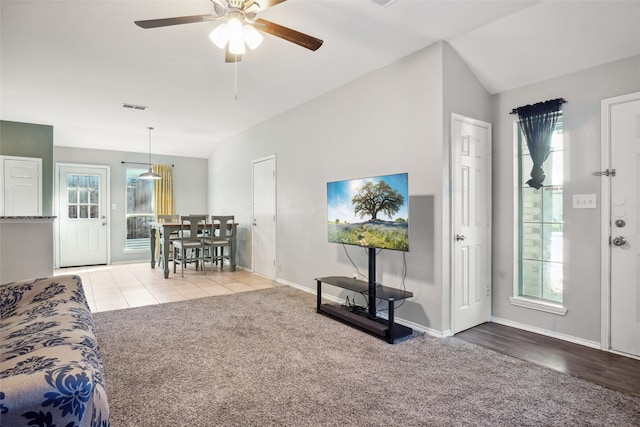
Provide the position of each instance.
(471, 230)
(83, 194)
(624, 229)
(264, 217)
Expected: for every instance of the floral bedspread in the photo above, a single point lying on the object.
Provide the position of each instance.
(50, 364)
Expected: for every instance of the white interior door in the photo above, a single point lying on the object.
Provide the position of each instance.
(624, 130)
(83, 206)
(21, 186)
(471, 230)
(264, 217)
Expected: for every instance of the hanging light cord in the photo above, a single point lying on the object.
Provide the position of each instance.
(150, 164)
(235, 87)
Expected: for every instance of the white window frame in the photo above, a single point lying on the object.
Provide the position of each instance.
(517, 299)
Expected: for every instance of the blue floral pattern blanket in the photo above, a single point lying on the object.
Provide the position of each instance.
(50, 364)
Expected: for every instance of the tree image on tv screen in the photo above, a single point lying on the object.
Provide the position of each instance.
(374, 198)
(369, 212)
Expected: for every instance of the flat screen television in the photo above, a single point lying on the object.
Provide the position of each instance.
(370, 212)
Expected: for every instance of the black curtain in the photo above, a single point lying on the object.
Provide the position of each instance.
(537, 123)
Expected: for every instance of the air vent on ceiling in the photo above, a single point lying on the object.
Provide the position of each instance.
(384, 3)
(134, 107)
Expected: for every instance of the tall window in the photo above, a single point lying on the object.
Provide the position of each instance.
(140, 210)
(540, 225)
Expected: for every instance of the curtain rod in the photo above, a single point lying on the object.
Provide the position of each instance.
(138, 163)
(561, 100)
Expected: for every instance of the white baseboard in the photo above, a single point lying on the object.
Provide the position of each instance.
(400, 321)
(547, 332)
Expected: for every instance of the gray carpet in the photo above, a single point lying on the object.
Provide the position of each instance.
(265, 358)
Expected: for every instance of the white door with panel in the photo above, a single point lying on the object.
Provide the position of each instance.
(624, 229)
(264, 217)
(83, 207)
(21, 186)
(471, 216)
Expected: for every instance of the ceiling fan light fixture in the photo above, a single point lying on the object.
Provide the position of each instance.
(220, 36)
(252, 37)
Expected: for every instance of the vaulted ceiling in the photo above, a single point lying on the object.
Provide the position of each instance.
(73, 64)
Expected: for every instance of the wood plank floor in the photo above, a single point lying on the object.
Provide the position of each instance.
(606, 369)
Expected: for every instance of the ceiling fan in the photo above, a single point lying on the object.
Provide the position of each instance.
(240, 26)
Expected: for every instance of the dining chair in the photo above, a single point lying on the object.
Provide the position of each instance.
(172, 236)
(221, 235)
(189, 242)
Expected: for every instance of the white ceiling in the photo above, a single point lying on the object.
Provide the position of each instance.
(72, 64)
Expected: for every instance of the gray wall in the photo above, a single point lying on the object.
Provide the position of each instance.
(581, 117)
(189, 179)
(31, 140)
(389, 121)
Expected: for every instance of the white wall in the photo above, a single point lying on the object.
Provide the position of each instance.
(189, 185)
(389, 121)
(581, 117)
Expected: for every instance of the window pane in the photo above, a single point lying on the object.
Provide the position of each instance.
(93, 196)
(531, 204)
(531, 241)
(84, 211)
(527, 164)
(553, 169)
(93, 211)
(138, 227)
(72, 181)
(552, 281)
(84, 196)
(73, 211)
(552, 242)
(94, 182)
(553, 204)
(531, 278)
(83, 181)
(73, 196)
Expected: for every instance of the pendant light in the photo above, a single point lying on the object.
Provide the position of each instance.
(150, 174)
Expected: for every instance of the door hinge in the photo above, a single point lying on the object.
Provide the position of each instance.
(606, 172)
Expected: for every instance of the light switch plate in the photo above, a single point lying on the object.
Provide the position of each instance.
(584, 201)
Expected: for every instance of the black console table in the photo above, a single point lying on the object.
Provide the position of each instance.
(368, 321)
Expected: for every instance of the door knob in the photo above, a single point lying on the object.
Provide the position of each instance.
(619, 241)
(460, 237)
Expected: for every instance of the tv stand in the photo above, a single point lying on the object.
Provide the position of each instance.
(366, 320)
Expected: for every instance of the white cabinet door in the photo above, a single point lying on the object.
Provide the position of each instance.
(21, 186)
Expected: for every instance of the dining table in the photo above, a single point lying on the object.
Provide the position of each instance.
(166, 228)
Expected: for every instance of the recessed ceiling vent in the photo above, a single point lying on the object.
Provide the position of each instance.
(134, 107)
(384, 3)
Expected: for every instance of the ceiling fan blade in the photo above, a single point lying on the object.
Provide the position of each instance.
(288, 34)
(165, 22)
(231, 57)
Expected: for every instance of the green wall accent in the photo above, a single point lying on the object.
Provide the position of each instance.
(31, 140)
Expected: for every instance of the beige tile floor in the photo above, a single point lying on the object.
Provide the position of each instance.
(114, 287)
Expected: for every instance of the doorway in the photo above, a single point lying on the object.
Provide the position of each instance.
(621, 224)
(471, 222)
(263, 224)
(82, 201)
